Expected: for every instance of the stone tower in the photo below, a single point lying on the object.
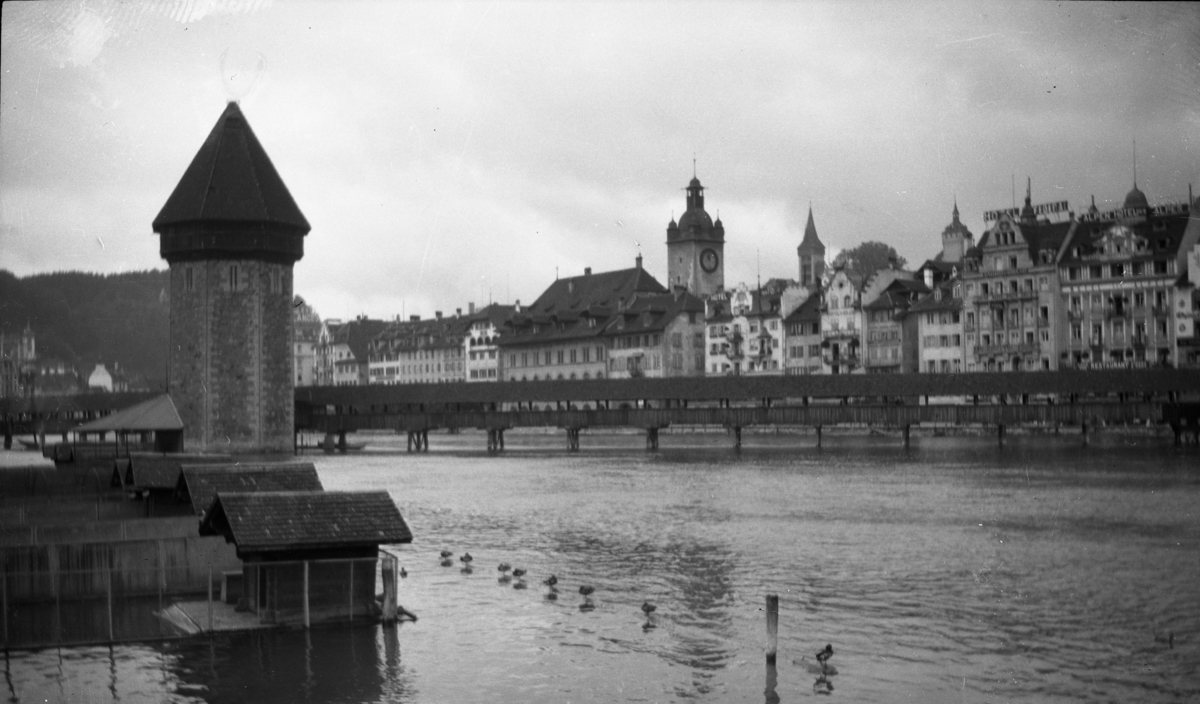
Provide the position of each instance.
(812, 255)
(230, 233)
(696, 247)
(956, 239)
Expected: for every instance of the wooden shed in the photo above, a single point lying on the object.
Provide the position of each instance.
(155, 417)
(198, 485)
(154, 478)
(307, 556)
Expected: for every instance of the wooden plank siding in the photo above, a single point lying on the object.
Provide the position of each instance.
(877, 415)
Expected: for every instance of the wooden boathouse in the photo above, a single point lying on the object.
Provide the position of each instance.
(309, 556)
(198, 485)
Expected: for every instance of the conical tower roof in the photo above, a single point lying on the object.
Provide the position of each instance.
(231, 180)
(811, 241)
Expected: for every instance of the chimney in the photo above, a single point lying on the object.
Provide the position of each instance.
(929, 278)
(587, 271)
(517, 306)
(414, 318)
(638, 261)
(437, 314)
(471, 308)
(458, 312)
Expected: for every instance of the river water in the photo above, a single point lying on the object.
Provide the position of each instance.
(954, 571)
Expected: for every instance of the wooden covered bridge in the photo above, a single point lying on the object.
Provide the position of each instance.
(994, 400)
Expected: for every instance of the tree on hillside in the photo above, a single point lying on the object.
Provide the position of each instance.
(868, 258)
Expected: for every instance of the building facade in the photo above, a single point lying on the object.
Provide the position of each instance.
(307, 326)
(842, 323)
(939, 329)
(657, 336)
(1119, 273)
(482, 342)
(561, 336)
(419, 351)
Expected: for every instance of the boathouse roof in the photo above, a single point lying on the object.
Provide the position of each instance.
(280, 521)
(200, 484)
(155, 471)
(231, 180)
(158, 413)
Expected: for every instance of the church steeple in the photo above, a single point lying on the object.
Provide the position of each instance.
(811, 253)
(1027, 214)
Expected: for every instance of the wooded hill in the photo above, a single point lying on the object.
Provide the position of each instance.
(84, 319)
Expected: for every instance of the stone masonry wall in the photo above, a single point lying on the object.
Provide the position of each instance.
(231, 362)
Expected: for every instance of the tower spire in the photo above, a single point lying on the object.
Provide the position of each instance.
(1135, 162)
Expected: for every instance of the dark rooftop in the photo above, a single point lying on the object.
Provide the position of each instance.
(202, 483)
(231, 180)
(272, 521)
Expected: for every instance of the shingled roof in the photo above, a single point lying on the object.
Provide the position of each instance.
(155, 471)
(201, 483)
(158, 413)
(231, 179)
(276, 521)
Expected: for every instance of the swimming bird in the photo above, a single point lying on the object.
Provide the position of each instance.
(551, 581)
(648, 608)
(586, 590)
(824, 655)
(518, 573)
(447, 553)
(447, 562)
(466, 557)
(504, 567)
(403, 573)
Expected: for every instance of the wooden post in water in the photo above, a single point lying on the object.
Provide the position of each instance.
(1084, 431)
(818, 434)
(772, 627)
(907, 429)
(210, 604)
(1000, 433)
(306, 621)
(110, 606)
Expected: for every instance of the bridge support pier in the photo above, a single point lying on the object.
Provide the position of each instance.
(329, 442)
(495, 439)
(1083, 427)
(1000, 434)
(907, 431)
(572, 439)
(818, 436)
(737, 437)
(651, 438)
(341, 442)
(418, 441)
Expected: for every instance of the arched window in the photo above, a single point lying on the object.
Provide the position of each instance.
(846, 302)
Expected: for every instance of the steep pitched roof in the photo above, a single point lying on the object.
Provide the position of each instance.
(158, 413)
(154, 471)
(201, 483)
(807, 312)
(652, 313)
(1162, 236)
(811, 242)
(940, 299)
(272, 521)
(231, 179)
(357, 335)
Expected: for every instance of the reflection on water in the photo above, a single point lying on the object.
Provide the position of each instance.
(949, 572)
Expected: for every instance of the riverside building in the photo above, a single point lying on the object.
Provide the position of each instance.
(1120, 272)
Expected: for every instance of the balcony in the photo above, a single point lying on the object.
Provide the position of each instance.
(1161, 311)
(844, 360)
(1006, 348)
(1111, 312)
(847, 334)
(1075, 314)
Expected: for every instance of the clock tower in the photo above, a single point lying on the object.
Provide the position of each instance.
(696, 247)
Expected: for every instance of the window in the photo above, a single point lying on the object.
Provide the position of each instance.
(1160, 266)
(677, 342)
(1012, 262)
(1096, 272)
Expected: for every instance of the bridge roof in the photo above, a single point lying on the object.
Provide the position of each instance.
(759, 387)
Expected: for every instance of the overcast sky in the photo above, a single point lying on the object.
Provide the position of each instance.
(450, 153)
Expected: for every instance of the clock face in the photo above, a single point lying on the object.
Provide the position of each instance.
(708, 260)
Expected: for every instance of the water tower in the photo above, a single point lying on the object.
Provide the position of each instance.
(231, 233)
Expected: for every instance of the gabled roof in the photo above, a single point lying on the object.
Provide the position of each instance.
(231, 179)
(201, 483)
(158, 413)
(932, 302)
(652, 313)
(273, 521)
(807, 312)
(357, 335)
(1037, 236)
(557, 314)
(155, 471)
(1163, 237)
